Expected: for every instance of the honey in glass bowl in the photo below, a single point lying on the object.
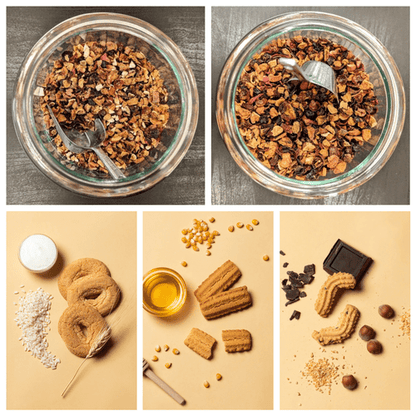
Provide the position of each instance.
(164, 292)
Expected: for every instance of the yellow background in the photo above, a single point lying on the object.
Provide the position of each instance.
(109, 380)
(248, 376)
(384, 380)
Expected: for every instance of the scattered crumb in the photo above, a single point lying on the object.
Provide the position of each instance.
(405, 323)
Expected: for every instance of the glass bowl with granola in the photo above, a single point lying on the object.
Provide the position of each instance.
(294, 137)
(123, 71)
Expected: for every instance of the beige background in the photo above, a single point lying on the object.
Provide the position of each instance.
(109, 380)
(247, 377)
(384, 380)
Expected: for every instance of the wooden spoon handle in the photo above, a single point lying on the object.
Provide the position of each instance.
(169, 390)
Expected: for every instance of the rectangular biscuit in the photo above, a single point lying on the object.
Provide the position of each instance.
(227, 302)
(219, 281)
(236, 340)
(200, 342)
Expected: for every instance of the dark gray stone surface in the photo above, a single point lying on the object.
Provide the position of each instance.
(26, 184)
(230, 185)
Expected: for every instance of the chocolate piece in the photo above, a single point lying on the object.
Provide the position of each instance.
(295, 315)
(289, 302)
(285, 264)
(309, 269)
(282, 253)
(346, 259)
(295, 282)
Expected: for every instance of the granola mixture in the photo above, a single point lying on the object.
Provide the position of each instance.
(297, 129)
(115, 83)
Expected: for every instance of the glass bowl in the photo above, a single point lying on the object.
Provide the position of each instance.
(160, 50)
(164, 292)
(384, 75)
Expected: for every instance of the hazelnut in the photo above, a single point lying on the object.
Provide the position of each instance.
(366, 333)
(386, 311)
(374, 346)
(349, 382)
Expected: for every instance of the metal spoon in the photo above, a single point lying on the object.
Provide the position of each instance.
(90, 140)
(172, 393)
(316, 72)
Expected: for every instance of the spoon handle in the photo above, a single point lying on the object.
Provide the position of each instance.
(292, 66)
(112, 168)
(169, 390)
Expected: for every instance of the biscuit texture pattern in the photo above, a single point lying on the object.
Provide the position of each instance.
(200, 342)
(219, 281)
(224, 303)
(79, 326)
(100, 292)
(236, 340)
(328, 292)
(344, 329)
(79, 269)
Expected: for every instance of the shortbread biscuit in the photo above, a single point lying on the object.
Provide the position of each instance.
(78, 269)
(227, 302)
(328, 292)
(236, 340)
(100, 292)
(219, 281)
(346, 325)
(79, 326)
(200, 342)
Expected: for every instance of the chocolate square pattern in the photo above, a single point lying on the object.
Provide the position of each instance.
(344, 258)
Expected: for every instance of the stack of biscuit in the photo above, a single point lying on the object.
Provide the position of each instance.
(327, 296)
(91, 294)
(216, 299)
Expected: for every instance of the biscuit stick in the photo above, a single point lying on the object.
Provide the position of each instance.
(219, 281)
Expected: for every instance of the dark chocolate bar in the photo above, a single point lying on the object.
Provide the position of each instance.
(346, 259)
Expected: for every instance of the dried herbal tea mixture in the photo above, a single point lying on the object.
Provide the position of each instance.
(115, 83)
(298, 129)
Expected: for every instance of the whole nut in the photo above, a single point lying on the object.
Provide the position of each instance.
(366, 333)
(386, 311)
(349, 382)
(374, 347)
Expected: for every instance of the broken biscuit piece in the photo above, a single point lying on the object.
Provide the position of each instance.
(236, 340)
(328, 292)
(346, 326)
(200, 342)
(227, 302)
(219, 281)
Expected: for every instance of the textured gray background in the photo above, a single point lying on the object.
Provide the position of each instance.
(26, 184)
(230, 185)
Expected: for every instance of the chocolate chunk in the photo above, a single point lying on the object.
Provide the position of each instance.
(298, 284)
(302, 295)
(295, 315)
(306, 278)
(292, 275)
(291, 301)
(344, 258)
(282, 253)
(285, 265)
(292, 294)
(309, 269)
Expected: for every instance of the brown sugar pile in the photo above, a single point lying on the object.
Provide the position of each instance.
(405, 323)
(321, 373)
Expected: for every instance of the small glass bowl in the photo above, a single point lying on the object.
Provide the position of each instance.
(160, 50)
(384, 75)
(164, 292)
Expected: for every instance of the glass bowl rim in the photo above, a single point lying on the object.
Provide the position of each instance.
(185, 79)
(178, 278)
(248, 45)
